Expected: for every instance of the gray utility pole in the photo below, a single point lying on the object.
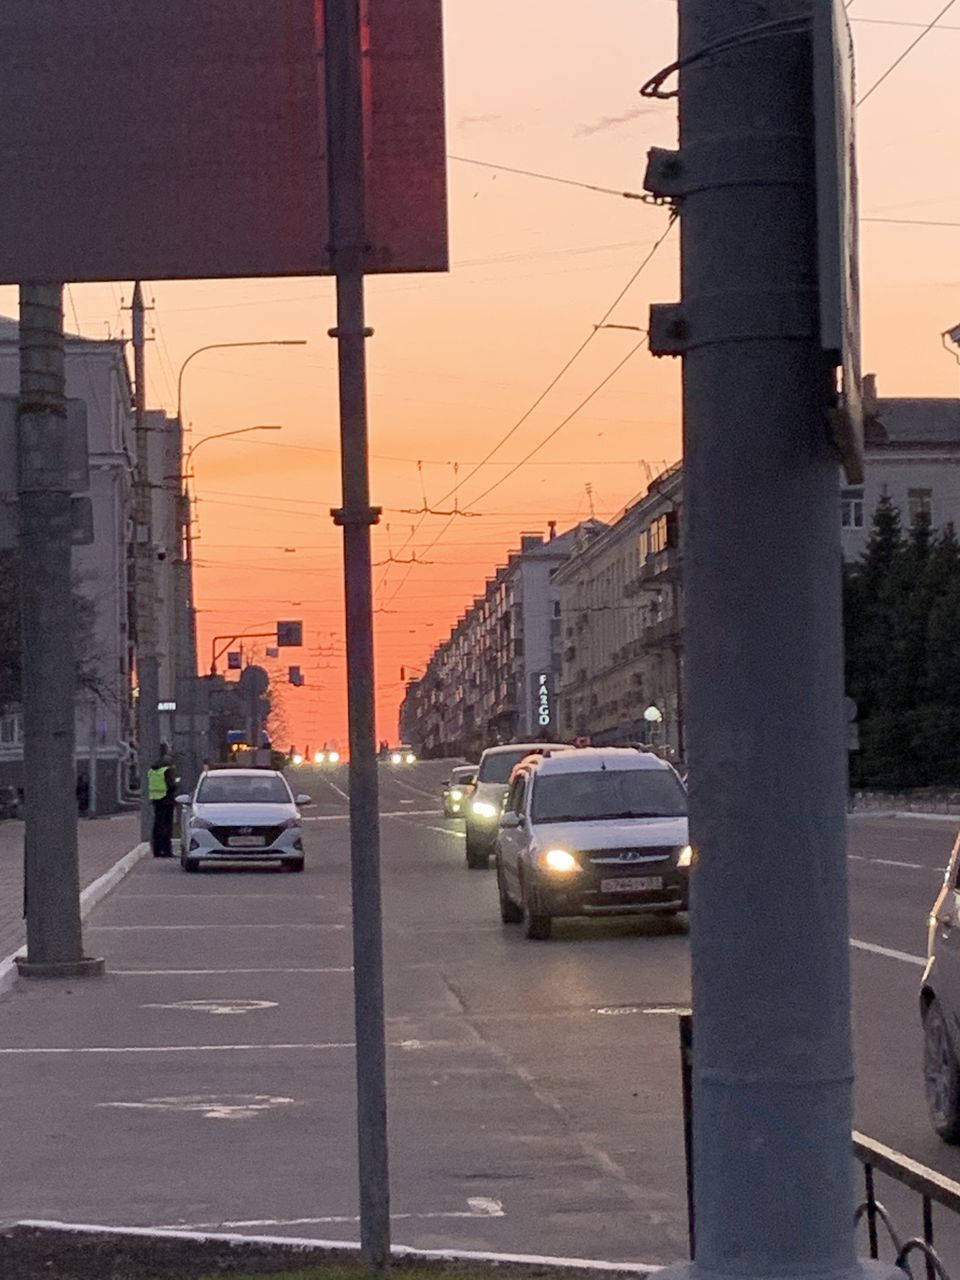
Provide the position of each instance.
(51, 876)
(766, 744)
(346, 161)
(148, 667)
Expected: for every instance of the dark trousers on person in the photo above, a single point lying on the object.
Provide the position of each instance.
(162, 840)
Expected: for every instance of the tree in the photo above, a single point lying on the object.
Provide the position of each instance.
(902, 620)
(11, 641)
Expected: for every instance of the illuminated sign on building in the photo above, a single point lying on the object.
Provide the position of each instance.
(543, 700)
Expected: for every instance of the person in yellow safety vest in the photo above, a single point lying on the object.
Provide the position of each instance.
(162, 783)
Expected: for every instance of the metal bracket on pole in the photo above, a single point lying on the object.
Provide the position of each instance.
(339, 332)
(362, 515)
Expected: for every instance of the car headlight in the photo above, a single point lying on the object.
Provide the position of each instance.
(484, 809)
(319, 757)
(685, 856)
(411, 758)
(396, 758)
(333, 757)
(456, 794)
(559, 860)
(291, 824)
(202, 824)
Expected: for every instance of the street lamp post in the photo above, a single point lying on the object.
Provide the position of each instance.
(186, 609)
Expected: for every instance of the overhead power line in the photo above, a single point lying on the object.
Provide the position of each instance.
(566, 182)
(560, 425)
(576, 355)
(906, 53)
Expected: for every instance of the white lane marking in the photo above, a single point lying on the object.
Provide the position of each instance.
(219, 1007)
(477, 1207)
(106, 1050)
(233, 1106)
(640, 1269)
(141, 928)
(190, 973)
(216, 895)
(856, 857)
(913, 866)
(889, 952)
(444, 831)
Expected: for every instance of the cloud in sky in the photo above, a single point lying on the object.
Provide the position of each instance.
(611, 122)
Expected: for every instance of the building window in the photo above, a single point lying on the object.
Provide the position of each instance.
(918, 504)
(851, 508)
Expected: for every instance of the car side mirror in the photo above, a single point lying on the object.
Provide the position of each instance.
(304, 800)
(510, 821)
(184, 799)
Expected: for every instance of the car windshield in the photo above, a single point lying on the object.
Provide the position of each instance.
(609, 793)
(461, 775)
(238, 789)
(498, 768)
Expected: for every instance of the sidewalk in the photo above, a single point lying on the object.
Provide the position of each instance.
(103, 841)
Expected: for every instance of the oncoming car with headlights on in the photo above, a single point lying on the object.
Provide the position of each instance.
(493, 782)
(242, 815)
(597, 832)
(457, 790)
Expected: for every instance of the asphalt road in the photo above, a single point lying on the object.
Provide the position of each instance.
(208, 1079)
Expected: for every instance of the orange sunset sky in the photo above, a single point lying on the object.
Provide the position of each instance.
(551, 86)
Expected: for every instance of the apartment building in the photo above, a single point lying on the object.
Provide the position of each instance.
(621, 603)
(912, 454)
(495, 679)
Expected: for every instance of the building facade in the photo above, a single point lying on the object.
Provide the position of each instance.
(496, 678)
(621, 604)
(912, 454)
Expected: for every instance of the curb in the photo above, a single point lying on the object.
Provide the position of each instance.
(906, 813)
(89, 898)
(332, 1249)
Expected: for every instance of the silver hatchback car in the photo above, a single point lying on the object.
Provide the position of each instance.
(940, 1006)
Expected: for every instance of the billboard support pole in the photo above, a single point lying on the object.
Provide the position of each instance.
(347, 166)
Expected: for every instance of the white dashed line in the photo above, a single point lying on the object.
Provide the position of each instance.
(888, 952)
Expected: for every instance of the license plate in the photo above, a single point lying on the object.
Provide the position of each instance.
(246, 842)
(632, 884)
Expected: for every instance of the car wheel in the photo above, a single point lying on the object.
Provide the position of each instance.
(941, 1075)
(293, 864)
(478, 859)
(537, 926)
(189, 864)
(510, 913)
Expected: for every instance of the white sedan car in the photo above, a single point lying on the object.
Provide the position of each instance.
(242, 815)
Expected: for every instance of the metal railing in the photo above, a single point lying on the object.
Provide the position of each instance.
(931, 1187)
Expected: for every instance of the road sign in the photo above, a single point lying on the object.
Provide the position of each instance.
(216, 165)
(838, 222)
(289, 635)
(295, 676)
(255, 681)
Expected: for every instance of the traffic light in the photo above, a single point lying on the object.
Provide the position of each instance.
(289, 635)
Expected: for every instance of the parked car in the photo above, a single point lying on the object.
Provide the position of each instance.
(457, 790)
(940, 1006)
(493, 780)
(242, 815)
(597, 832)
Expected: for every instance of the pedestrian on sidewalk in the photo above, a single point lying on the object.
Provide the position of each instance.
(162, 782)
